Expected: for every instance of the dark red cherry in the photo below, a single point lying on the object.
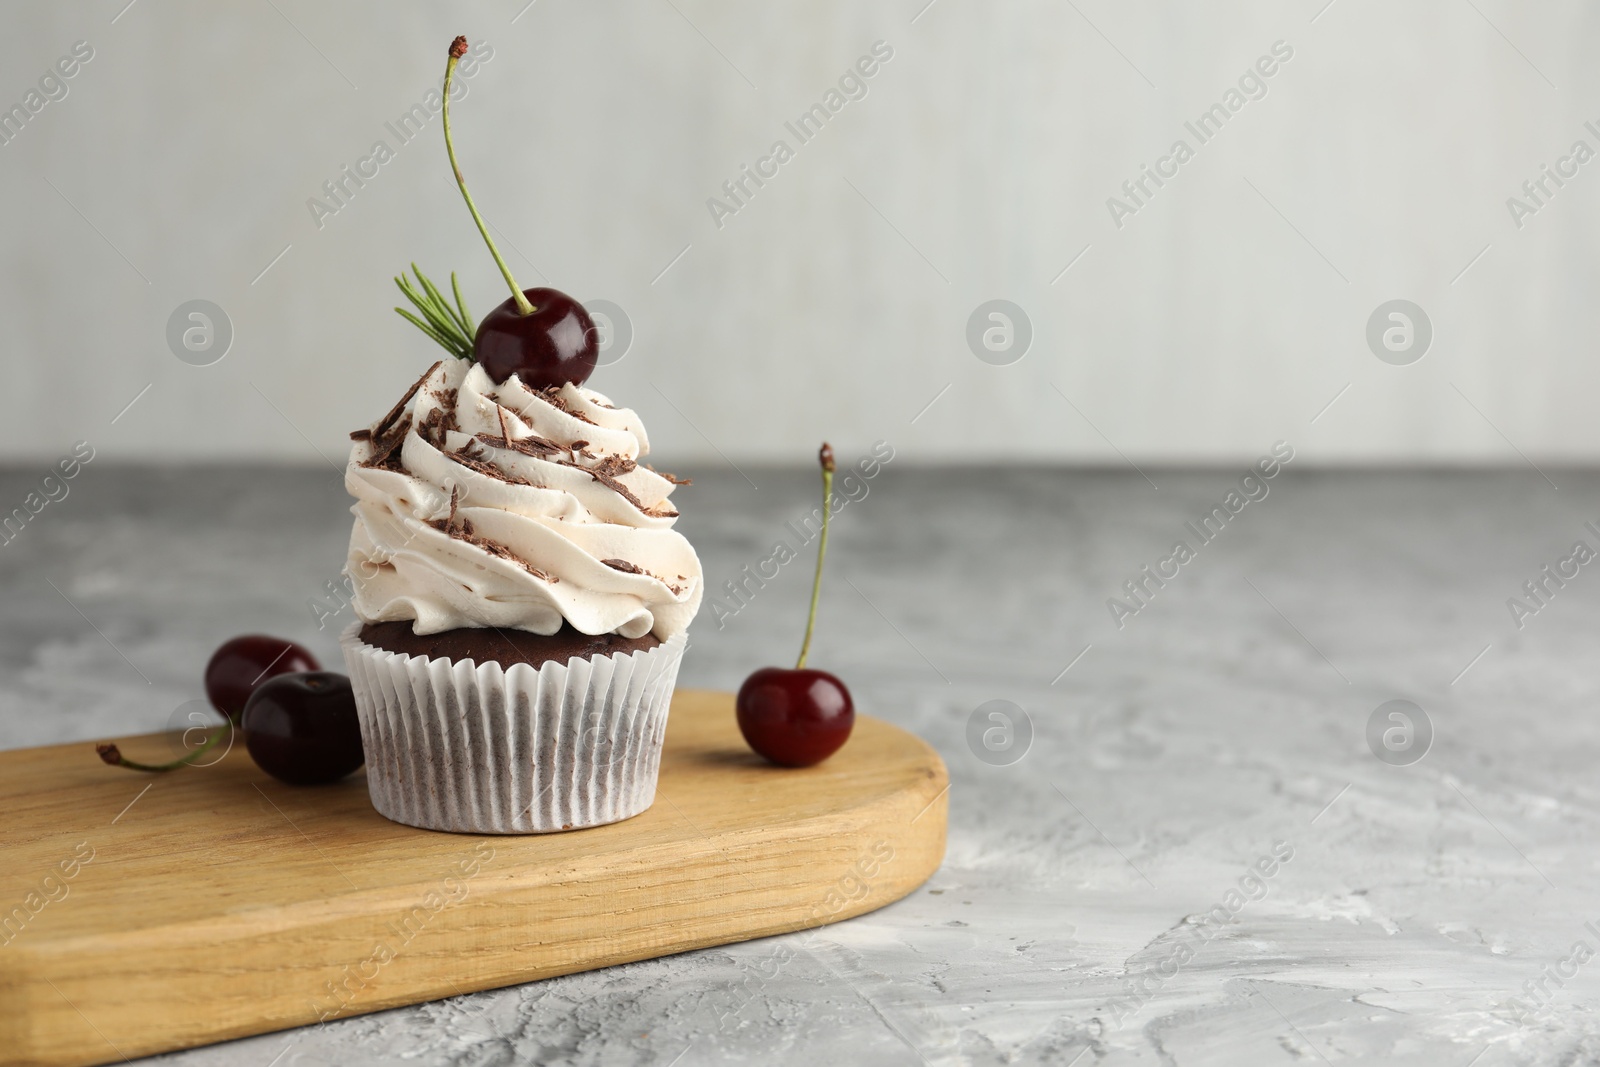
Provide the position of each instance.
(554, 345)
(302, 728)
(795, 717)
(799, 717)
(242, 663)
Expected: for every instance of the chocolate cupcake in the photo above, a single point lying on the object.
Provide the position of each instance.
(523, 602)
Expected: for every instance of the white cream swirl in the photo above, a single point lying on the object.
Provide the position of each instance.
(498, 505)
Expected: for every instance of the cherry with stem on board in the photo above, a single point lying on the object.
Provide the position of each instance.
(802, 716)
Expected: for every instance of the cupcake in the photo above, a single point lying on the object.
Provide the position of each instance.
(521, 594)
(523, 602)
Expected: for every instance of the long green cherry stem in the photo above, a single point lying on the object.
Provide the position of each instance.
(825, 458)
(458, 48)
(112, 755)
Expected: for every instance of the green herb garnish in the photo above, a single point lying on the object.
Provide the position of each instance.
(451, 327)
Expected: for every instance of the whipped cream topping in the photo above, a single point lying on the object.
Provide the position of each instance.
(498, 505)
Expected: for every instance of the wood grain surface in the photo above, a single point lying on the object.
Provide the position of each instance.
(140, 914)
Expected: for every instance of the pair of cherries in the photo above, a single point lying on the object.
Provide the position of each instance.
(299, 721)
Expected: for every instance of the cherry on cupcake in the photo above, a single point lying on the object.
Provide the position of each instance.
(802, 716)
(242, 663)
(548, 345)
(302, 728)
(543, 336)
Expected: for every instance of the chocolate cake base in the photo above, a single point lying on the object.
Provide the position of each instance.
(502, 646)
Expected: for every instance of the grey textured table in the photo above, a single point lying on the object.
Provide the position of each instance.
(1226, 719)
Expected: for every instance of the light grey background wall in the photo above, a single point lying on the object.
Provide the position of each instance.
(1227, 311)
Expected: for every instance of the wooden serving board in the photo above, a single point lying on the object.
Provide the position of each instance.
(141, 914)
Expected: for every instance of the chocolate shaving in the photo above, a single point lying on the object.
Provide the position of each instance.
(605, 472)
(463, 531)
(382, 429)
(610, 483)
(673, 478)
(472, 462)
(385, 455)
(602, 473)
(552, 395)
(532, 445)
(437, 425)
(614, 466)
(361, 435)
(632, 568)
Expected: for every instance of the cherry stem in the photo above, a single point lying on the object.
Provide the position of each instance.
(458, 48)
(825, 458)
(113, 755)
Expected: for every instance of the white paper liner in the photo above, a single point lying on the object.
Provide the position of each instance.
(477, 748)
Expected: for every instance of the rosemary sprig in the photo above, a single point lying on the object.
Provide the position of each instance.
(451, 327)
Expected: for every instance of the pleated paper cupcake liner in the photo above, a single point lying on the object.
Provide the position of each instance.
(480, 748)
